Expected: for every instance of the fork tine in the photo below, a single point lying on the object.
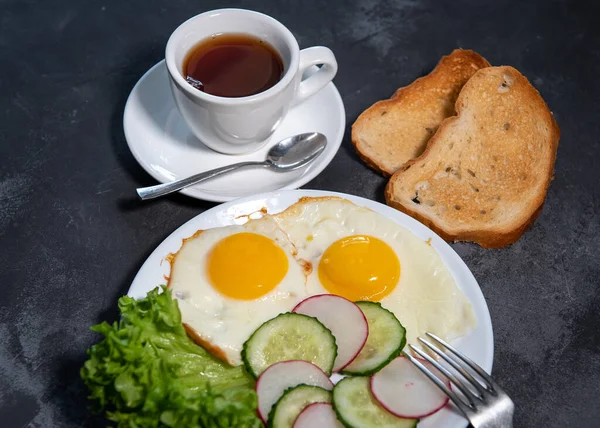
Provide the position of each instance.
(462, 406)
(466, 392)
(488, 380)
(456, 366)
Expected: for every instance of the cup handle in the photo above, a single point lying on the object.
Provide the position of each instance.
(313, 84)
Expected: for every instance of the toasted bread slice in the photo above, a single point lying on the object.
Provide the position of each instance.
(485, 173)
(391, 132)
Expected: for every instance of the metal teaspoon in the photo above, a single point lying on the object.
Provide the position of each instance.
(287, 155)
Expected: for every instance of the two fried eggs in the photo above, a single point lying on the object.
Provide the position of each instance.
(229, 280)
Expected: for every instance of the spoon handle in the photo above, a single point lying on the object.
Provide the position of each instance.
(152, 192)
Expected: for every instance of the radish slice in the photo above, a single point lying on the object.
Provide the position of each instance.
(319, 415)
(403, 390)
(344, 319)
(271, 384)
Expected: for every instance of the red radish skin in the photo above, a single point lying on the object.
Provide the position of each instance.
(403, 390)
(271, 384)
(344, 319)
(319, 415)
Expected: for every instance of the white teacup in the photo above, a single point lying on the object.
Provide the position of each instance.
(242, 125)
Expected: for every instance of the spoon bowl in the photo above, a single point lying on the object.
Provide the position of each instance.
(295, 152)
(289, 154)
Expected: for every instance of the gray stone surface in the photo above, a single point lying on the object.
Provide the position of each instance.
(73, 236)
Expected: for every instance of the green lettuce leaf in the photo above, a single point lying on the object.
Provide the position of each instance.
(146, 372)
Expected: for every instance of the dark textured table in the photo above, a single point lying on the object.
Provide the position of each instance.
(73, 236)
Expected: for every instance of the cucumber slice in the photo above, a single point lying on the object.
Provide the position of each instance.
(293, 401)
(386, 339)
(289, 336)
(356, 407)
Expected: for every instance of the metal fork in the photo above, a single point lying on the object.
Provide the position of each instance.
(485, 404)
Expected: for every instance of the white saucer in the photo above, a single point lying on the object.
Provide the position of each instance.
(163, 145)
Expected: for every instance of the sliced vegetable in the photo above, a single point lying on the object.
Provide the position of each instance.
(318, 415)
(356, 407)
(293, 401)
(405, 391)
(289, 336)
(281, 376)
(344, 319)
(386, 339)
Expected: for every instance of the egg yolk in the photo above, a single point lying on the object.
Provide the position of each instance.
(246, 266)
(359, 267)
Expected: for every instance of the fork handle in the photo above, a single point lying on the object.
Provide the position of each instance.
(152, 192)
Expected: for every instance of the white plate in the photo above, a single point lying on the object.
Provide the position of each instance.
(164, 146)
(478, 345)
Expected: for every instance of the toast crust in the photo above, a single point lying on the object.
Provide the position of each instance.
(393, 131)
(536, 129)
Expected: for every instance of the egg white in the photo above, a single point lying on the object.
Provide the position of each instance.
(221, 322)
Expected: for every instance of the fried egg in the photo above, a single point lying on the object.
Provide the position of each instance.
(362, 255)
(229, 280)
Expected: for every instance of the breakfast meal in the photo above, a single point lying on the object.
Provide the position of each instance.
(256, 318)
(312, 312)
(484, 173)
